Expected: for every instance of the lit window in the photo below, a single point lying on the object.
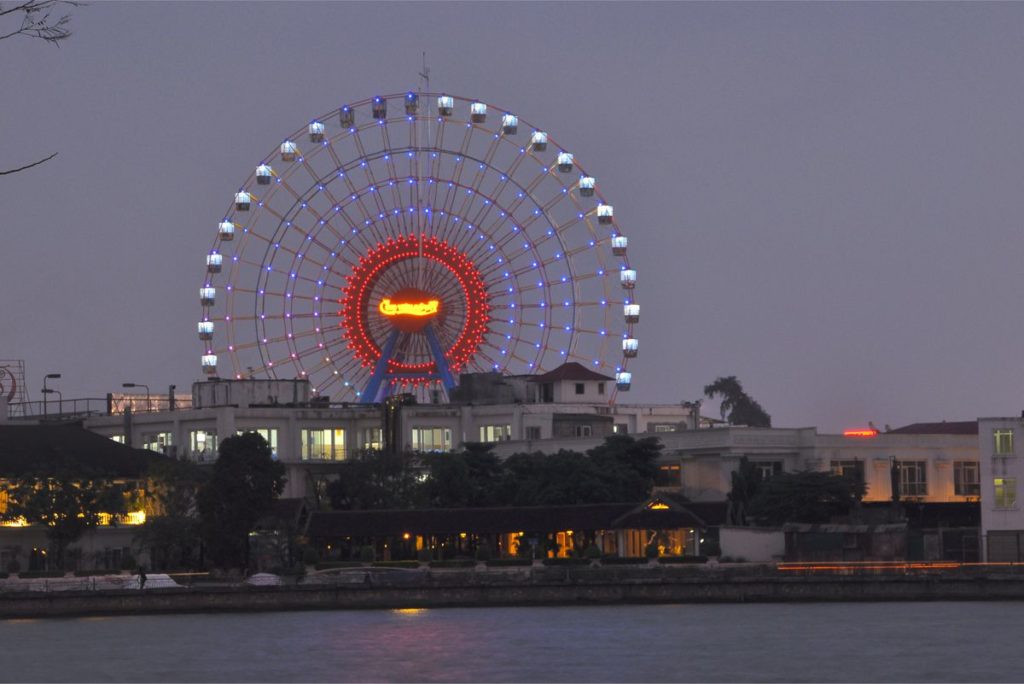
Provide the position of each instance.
(913, 478)
(432, 439)
(158, 441)
(620, 428)
(668, 476)
(203, 444)
(495, 433)
(371, 439)
(118, 438)
(1003, 442)
(966, 481)
(664, 427)
(1006, 492)
(323, 445)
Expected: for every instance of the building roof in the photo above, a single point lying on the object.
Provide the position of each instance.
(953, 427)
(570, 371)
(527, 519)
(28, 449)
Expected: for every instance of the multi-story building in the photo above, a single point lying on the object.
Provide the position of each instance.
(1002, 520)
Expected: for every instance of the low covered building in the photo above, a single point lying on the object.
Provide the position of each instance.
(622, 529)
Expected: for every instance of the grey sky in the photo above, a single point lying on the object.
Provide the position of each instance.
(822, 199)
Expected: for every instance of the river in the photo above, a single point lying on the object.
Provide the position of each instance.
(821, 642)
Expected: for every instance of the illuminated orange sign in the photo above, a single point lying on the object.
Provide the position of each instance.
(427, 308)
(860, 433)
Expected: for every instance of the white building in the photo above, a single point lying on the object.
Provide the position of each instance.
(1002, 521)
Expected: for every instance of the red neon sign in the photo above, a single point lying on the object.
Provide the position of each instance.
(860, 433)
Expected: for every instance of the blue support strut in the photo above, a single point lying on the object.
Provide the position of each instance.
(380, 371)
(443, 370)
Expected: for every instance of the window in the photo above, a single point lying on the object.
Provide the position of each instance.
(851, 469)
(158, 441)
(202, 444)
(323, 445)
(432, 439)
(668, 476)
(966, 481)
(1006, 492)
(582, 430)
(913, 478)
(1003, 442)
(118, 438)
(269, 434)
(579, 388)
(532, 432)
(662, 427)
(600, 388)
(495, 433)
(768, 469)
(371, 439)
(620, 428)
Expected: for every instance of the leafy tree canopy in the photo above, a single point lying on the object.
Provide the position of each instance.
(805, 497)
(245, 482)
(737, 407)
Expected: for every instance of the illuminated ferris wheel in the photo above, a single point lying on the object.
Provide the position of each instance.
(393, 243)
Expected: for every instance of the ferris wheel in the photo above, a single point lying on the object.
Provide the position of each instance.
(395, 242)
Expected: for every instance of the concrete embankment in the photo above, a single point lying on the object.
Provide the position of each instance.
(538, 586)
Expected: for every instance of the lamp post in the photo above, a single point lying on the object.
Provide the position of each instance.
(60, 398)
(46, 390)
(149, 407)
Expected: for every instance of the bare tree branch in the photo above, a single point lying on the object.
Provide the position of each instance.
(38, 21)
(28, 166)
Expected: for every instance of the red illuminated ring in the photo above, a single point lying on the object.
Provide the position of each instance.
(356, 302)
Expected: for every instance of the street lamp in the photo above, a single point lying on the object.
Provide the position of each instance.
(60, 398)
(149, 406)
(46, 390)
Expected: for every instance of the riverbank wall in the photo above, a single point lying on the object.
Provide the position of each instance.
(547, 586)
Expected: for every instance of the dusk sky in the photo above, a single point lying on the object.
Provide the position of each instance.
(822, 199)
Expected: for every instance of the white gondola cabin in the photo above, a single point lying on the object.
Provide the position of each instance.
(288, 151)
(445, 105)
(565, 162)
(412, 103)
(539, 141)
(316, 131)
(630, 347)
(478, 112)
(226, 230)
(631, 312)
(380, 108)
(346, 116)
(209, 364)
(242, 200)
(627, 277)
(623, 380)
(207, 296)
(619, 245)
(206, 330)
(509, 124)
(264, 174)
(605, 213)
(213, 262)
(587, 184)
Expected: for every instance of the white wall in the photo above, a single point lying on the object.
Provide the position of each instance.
(755, 544)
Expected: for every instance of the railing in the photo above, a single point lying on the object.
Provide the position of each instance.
(57, 409)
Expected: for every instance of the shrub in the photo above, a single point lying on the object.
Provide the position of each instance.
(651, 551)
(310, 556)
(592, 552)
(483, 553)
(397, 564)
(367, 554)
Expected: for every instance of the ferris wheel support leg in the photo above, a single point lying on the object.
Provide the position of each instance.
(437, 352)
(380, 371)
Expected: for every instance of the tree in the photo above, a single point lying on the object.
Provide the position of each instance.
(35, 19)
(245, 482)
(627, 465)
(171, 532)
(67, 504)
(741, 409)
(805, 497)
(745, 483)
(469, 478)
(376, 480)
